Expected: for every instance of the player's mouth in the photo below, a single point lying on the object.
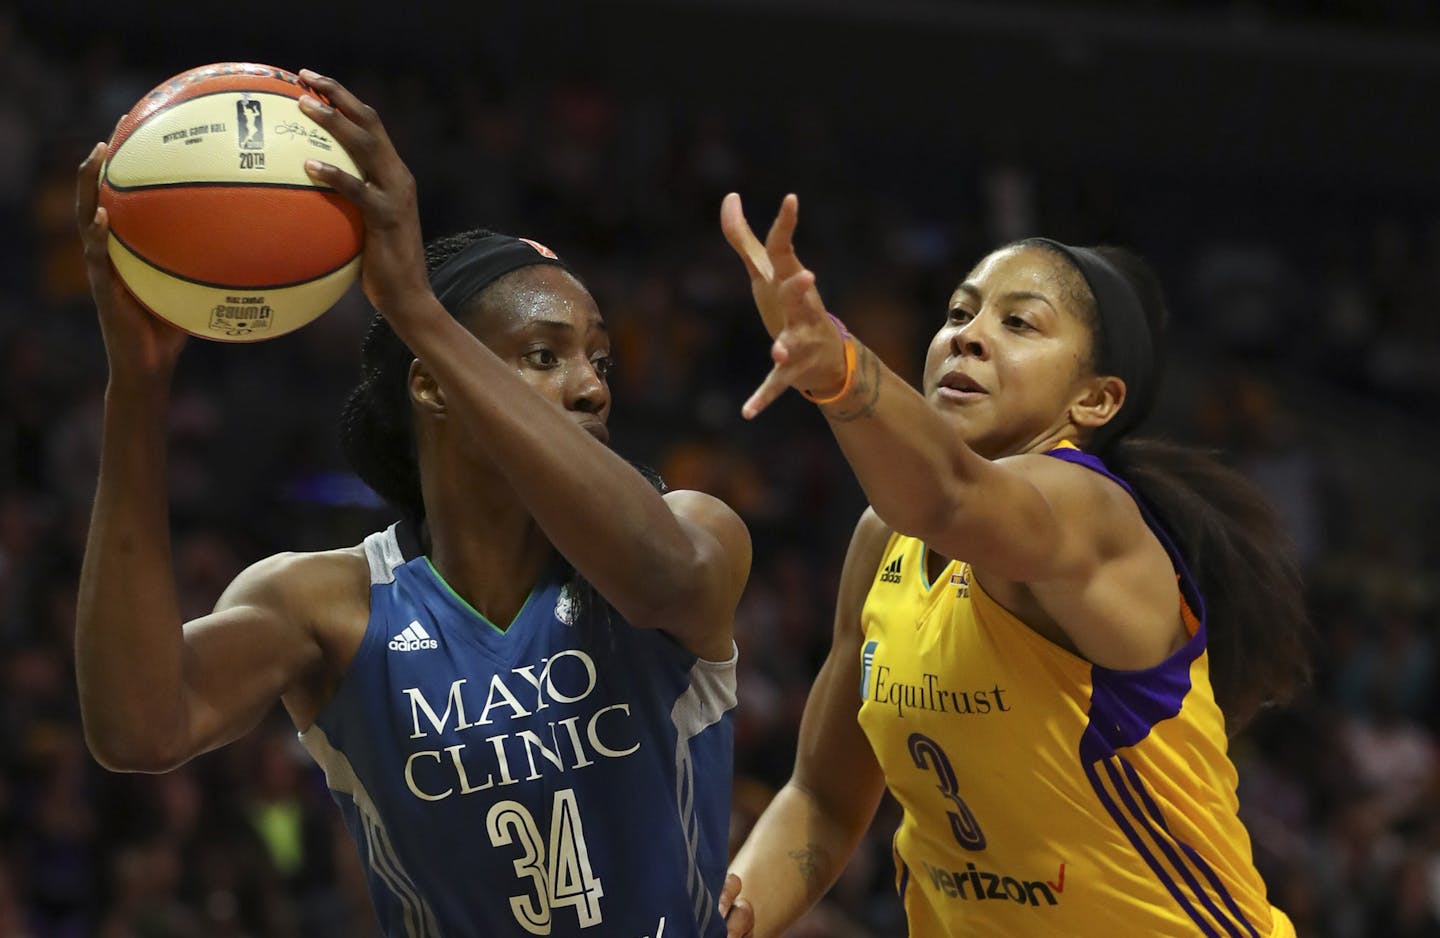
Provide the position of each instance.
(960, 387)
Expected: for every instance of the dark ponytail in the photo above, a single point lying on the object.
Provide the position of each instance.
(1232, 540)
(1235, 544)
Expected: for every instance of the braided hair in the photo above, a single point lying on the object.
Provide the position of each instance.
(377, 426)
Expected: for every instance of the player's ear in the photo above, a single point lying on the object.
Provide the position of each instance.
(424, 390)
(1100, 400)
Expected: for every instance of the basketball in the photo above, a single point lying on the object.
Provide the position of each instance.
(214, 225)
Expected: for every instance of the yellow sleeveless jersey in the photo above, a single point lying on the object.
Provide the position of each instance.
(1044, 795)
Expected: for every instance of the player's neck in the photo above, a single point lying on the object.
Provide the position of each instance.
(483, 540)
(492, 567)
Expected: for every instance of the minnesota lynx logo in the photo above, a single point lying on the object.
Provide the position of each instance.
(249, 128)
(566, 605)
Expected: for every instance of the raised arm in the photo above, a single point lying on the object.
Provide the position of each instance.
(802, 842)
(1062, 544)
(153, 694)
(678, 564)
(917, 472)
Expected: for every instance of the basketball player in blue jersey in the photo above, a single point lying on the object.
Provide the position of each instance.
(521, 694)
(1047, 629)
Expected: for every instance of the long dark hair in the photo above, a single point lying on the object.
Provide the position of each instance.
(1231, 538)
(377, 425)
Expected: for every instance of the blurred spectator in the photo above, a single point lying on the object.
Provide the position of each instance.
(1306, 349)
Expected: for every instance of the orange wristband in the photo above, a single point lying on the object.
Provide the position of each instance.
(850, 359)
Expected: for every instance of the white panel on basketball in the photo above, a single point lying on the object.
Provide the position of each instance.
(202, 140)
(230, 314)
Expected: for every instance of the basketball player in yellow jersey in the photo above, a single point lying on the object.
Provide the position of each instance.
(1046, 627)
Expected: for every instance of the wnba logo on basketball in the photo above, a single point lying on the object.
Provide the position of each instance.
(249, 131)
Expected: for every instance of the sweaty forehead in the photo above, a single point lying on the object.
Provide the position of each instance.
(1022, 267)
(539, 294)
(1027, 268)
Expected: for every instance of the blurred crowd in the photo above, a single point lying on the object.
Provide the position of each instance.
(1308, 358)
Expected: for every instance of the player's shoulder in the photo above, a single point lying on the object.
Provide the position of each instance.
(867, 546)
(862, 559)
(299, 583)
(872, 533)
(717, 517)
(1068, 484)
(698, 505)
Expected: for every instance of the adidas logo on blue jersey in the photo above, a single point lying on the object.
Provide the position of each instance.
(414, 638)
(891, 573)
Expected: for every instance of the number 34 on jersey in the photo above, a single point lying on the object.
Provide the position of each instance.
(560, 875)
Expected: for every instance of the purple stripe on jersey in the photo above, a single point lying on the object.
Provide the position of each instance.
(1126, 705)
(1165, 842)
(1122, 821)
(1153, 810)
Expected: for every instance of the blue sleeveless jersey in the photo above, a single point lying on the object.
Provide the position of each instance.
(569, 775)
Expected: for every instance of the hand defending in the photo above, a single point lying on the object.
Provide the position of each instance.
(808, 351)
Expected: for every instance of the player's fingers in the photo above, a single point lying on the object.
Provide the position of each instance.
(356, 126)
(362, 145)
(728, 891)
(783, 228)
(343, 100)
(780, 242)
(87, 192)
(800, 299)
(342, 182)
(740, 923)
(742, 239)
(765, 395)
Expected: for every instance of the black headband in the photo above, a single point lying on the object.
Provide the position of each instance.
(485, 260)
(1128, 347)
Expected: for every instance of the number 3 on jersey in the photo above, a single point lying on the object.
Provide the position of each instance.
(561, 878)
(927, 754)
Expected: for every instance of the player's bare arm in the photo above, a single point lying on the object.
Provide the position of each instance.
(657, 569)
(153, 692)
(804, 839)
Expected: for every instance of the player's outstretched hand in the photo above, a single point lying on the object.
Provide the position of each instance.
(735, 909)
(392, 268)
(809, 350)
(136, 343)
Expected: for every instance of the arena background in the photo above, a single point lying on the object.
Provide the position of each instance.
(1277, 160)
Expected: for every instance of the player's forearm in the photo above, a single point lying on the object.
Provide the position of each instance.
(597, 510)
(912, 465)
(792, 858)
(128, 643)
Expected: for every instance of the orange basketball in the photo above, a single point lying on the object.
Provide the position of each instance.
(214, 225)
